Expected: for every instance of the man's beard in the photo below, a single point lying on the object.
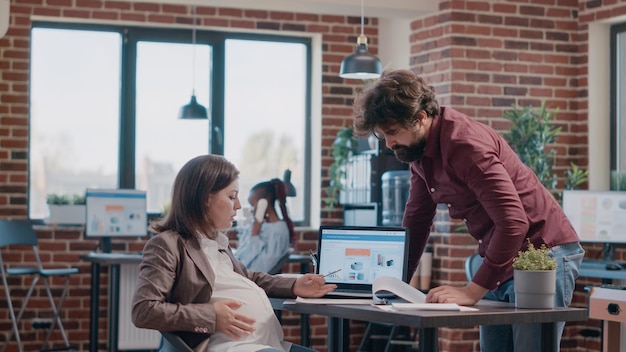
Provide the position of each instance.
(411, 153)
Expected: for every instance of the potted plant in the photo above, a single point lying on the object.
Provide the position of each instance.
(532, 135)
(534, 275)
(66, 209)
(344, 147)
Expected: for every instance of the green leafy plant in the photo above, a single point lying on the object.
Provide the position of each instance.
(344, 147)
(531, 135)
(65, 199)
(534, 259)
(575, 177)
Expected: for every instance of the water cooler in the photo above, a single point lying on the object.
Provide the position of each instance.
(395, 192)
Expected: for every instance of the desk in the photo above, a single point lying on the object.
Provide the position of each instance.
(597, 269)
(113, 260)
(490, 313)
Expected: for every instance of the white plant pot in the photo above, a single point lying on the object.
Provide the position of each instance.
(534, 288)
(66, 214)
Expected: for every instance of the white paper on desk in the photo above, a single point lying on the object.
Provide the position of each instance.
(334, 300)
(399, 288)
(432, 306)
(415, 297)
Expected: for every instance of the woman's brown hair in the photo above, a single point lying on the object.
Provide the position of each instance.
(198, 179)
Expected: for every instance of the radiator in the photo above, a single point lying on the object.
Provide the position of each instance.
(129, 336)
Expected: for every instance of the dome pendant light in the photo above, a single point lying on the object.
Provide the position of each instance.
(361, 64)
(193, 110)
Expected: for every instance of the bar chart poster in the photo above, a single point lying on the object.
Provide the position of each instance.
(597, 216)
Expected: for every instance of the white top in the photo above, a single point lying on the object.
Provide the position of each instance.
(263, 251)
(256, 304)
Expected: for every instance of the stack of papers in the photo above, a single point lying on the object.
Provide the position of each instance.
(416, 299)
(383, 284)
(335, 300)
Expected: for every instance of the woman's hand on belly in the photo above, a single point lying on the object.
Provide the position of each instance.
(231, 323)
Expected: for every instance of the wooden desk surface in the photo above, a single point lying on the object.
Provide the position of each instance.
(489, 313)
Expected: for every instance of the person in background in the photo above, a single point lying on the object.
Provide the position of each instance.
(190, 283)
(468, 166)
(266, 240)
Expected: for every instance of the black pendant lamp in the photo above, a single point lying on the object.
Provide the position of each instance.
(361, 64)
(193, 110)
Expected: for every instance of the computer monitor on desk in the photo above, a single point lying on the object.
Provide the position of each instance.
(598, 217)
(115, 213)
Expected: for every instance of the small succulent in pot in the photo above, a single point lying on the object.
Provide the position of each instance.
(534, 259)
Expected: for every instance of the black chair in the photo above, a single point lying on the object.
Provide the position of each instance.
(278, 267)
(21, 233)
(173, 343)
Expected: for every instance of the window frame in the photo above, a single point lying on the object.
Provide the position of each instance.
(216, 39)
(615, 122)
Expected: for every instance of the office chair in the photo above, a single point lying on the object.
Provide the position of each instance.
(21, 233)
(173, 343)
(278, 268)
(472, 263)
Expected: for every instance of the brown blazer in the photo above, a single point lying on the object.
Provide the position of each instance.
(176, 283)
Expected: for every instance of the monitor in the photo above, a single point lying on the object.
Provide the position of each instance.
(115, 213)
(597, 216)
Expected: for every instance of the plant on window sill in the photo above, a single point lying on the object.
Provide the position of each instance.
(65, 199)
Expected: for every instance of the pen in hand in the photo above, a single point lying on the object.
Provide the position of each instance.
(332, 272)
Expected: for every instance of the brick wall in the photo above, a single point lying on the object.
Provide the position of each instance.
(484, 56)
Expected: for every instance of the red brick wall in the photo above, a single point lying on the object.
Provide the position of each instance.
(484, 56)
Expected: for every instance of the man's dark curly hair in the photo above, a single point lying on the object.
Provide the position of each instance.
(395, 98)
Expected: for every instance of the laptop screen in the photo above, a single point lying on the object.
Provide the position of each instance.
(362, 254)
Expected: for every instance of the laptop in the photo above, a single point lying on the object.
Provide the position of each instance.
(353, 256)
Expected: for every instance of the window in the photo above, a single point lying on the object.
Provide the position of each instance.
(105, 101)
(618, 107)
(263, 115)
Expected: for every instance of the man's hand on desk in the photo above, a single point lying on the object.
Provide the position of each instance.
(465, 295)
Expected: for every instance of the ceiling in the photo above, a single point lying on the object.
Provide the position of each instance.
(372, 8)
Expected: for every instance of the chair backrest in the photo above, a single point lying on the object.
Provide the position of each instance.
(17, 232)
(472, 263)
(278, 268)
(173, 343)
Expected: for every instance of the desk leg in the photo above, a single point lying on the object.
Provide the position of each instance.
(305, 330)
(338, 334)
(428, 340)
(94, 307)
(549, 337)
(611, 336)
(114, 306)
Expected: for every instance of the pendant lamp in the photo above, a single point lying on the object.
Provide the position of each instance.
(361, 64)
(193, 110)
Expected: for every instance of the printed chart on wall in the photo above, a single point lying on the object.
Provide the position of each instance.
(597, 216)
(115, 212)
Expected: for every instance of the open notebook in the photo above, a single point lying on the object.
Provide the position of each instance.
(361, 254)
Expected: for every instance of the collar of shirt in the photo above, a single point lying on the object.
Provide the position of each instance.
(432, 143)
